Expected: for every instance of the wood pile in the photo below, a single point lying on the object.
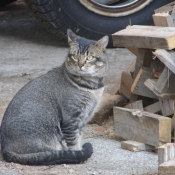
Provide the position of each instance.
(148, 119)
(149, 116)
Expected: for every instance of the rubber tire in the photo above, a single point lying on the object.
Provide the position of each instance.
(59, 15)
(5, 2)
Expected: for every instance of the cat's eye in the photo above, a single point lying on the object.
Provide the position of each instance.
(75, 57)
(90, 58)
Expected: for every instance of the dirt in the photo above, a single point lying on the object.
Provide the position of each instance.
(28, 51)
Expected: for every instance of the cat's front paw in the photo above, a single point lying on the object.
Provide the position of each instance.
(87, 150)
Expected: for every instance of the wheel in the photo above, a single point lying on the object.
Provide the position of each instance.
(5, 2)
(92, 19)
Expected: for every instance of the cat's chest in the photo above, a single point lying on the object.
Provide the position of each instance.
(82, 101)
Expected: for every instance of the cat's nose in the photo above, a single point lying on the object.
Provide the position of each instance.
(80, 64)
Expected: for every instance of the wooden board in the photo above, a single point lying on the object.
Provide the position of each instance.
(141, 126)
(167, 168)
(150, 83)
(163, 80)
(135, 146)
(116, 87)
(163, 19)
(167, 106)
(153, 108)
(165, 8)
(135, 105)
(125, 84)
(166, 152)
(138, 86)
(150, 37)
(166, 57)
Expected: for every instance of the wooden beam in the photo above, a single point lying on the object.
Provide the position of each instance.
(144, 59)
(150, 83)
(138, 86)
(163, 19)
(166, 57)
(150, 37)
(153, 108)
(166, 8)
(167, 106)
(116, 86)
(133, 50)
(135, 105)
(105, 108)
(163, 80)
(125, 84)
(167, 168)
(144, 127)
(166, 152)
(135, 146)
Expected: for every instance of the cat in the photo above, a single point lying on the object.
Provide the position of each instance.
(43, 124)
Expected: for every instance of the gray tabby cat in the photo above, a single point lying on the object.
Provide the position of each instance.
(43, 123)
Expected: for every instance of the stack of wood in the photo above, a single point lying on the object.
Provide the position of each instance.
(148, 119)
(150, 88)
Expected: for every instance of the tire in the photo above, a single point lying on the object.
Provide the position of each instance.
(59, 15)
(5, 2)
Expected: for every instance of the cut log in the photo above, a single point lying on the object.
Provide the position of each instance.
(166, 57)
(138, 86)
(135, 146)
(144, 127)
(150, 37)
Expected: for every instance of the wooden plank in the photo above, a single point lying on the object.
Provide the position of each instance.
(133, 50)
(167, 168)
(150, 83)
(116, 86)
(167, 106)
(166, 152)
(105, 108)
(153, 108)
(135, 105)
(163, 80)
(150, 37)
(144, 58)
(163, 19)
(138, 86)
(173, 123)
(157, 67)
(126, 83)
(166, 57)
(144, 127)
(135, 146)
(165, 8)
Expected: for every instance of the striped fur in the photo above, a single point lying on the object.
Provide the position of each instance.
(43, 123)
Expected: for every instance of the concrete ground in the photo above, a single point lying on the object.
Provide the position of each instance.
(27, 51)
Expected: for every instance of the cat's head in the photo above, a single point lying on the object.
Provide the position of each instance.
(86, 57)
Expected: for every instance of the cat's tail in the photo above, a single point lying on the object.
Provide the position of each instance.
(51, 157)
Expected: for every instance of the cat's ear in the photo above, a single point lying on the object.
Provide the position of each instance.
(102, 43)
(72, 37)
